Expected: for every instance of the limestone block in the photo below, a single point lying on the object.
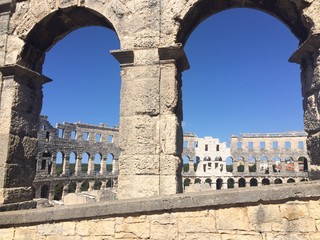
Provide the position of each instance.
(58, 237)
(6, 233)
(299, 225)
(241, 237)
(135, 186)
(139, 164)
(18, 194)
(163, 219)
(197, 225)
(314, 236)
(14, 46)
(50, 229)
(140, 72)
(169, 88)
(311, 114)
(164, 231)
(83, 228)
(146, 56)
(290, 236)
(25, 233)
(294, 211)
(132, 228)
(169, 137)
(139, 135)
(313, 144)
(260, 217)
(199, 236)
(169, 164)
(191, 214)
(311, 17)
(239, 218)
(69, 228)
(140, 96)
(67, 3)
(168, 184)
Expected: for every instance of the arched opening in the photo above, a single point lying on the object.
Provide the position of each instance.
(196, 162)
(278, 181)
(253, 182)
(304, 180)
(58, 189)
(229, 164)
(240, 166)
(291, 180)
(109, 162)
(72, 187)
(252, 164)
(110, 183)
(97, 162)
(242, 182)
(289, 162)
(84, 186)
(97, 185)
(230, 183)
(303, 164)
(197, 181)
(219, 183)
(186, 182)
(186, 161)
(264, 167)
(220, 50)
(265, 181)
(208, 181)
(59, 163)
(85, 162)
(72, 163)
(276, 164)
(44, 191)
(46, 160)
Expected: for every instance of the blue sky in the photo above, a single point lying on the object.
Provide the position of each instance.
(239, 79)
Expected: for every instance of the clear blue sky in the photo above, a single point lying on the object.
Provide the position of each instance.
(239, 79)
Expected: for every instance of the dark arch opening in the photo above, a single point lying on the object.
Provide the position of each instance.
(186, 182)
(253, 182)
(230, 183)
(219, 183)
(265, 181)
(44, 191)
(242, 182)
(278, 181)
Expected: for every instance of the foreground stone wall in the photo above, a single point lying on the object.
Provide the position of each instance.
(266, 213)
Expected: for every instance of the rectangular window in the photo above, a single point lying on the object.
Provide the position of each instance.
(275, 145)
(98, 137)
(195, 144)
(301, 145)
(239, 145)
(250, 145)
(60, 132)
(86, 136)
(110, 138)
(73, 135)
(287, 145)
(262, 145)
(43, 127)
(185, 144)
(48, 136)
(217, 148)
(206, 147)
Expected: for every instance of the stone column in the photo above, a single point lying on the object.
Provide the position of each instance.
(191, 165)
(283, 166)
(246, 166)
(78, 187)
(150, 130)
(65, 167)
(308, 56)
(90, 165)
(115, 165)
(258, 166)
(270, 166)
(20, 105)
(103, 165)
(91, 186)
(234, 167)
(77, 170)
(53, 167)
(296, 165)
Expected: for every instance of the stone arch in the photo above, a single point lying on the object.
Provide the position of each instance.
(186, 160)
(303, 164)
(195, 12)
(291, 180)
(97, 185)
(52, 27)
(252, 164)
(85, 186)
(186, 182)
(44, 192)
(59, 162)
(197, 181)
(72, 162)
(278, 181)
(264, 167)
(240, 164)
(253, 182)
(208, 181)
(242, 182)
(229, 164)
(58, 190)
(230, 183)
(265, 181)
(85, 162)
(109, 162)
(72, 187)
(97, 162)
(219, 183)
(109, 183)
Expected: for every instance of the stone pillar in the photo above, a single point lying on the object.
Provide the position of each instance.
(90, 166)
(151, 137)
(91, 186)
(115, 165)
(246, 166)
(191, 165)
(234, 167)
(258, 166)
(77, 170)
(78, 187)
(308, 56)
(283, 166)
(270, 166)
(53, 167)
(296, 165)
(65, 167)
(103, 166)
(20, 105)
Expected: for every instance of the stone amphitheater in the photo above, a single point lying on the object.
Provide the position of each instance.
(152, 35)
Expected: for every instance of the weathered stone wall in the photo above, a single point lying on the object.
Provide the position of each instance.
(267, 213)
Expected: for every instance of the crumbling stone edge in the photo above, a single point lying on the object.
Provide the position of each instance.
(171, 203)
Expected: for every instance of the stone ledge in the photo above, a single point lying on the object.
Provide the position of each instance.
(171, 203)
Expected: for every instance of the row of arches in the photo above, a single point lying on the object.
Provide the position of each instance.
(225, 183)
(56, 190)
(71, 164)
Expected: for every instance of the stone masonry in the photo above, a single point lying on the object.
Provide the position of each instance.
(152, 34)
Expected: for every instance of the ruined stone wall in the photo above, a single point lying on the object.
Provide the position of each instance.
(263, 214)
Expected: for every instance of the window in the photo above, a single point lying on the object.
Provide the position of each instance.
(98, 137)
(48, 136)
(206, 147)
(301, 144)
(43, 127)
(262, 145)
(275, 145)
(195, 144)
(250, 145)
(73, 135)
(110, 138)
(239, 145)
(60, 132)
(86, 136)
(287, 145)
(217, 148)
(185, 144)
